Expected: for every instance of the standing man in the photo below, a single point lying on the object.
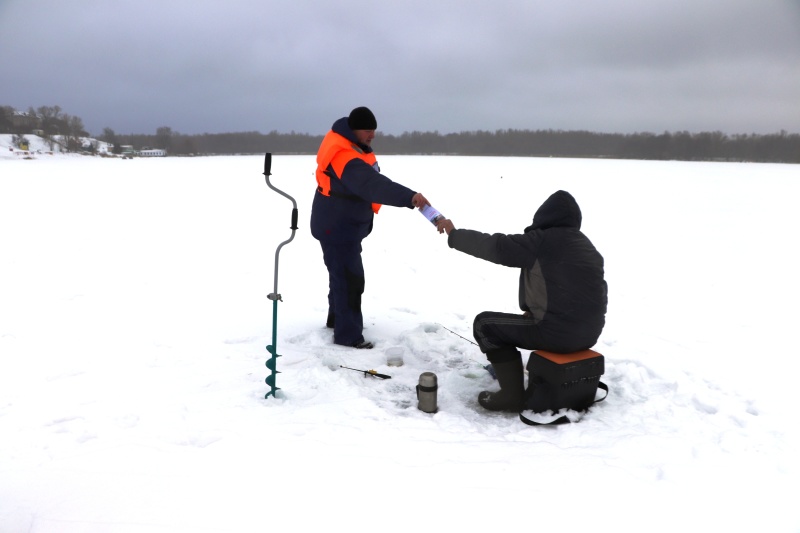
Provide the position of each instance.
(562, 293)
(350, 191)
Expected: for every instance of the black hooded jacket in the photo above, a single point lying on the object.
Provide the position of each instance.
(561, 282)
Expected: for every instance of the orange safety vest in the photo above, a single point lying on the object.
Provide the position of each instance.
(336, 151)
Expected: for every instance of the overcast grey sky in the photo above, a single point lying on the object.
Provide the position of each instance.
(201, 66)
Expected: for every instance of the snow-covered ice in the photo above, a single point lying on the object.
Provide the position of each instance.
(134, 320)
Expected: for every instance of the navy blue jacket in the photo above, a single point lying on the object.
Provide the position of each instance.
(346, 215)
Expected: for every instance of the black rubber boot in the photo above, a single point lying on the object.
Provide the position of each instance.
(509, 397)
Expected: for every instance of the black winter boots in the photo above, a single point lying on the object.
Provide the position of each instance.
(510, 395)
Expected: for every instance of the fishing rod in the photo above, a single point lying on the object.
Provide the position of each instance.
(367, 372)
(457, 335)
(489, 368)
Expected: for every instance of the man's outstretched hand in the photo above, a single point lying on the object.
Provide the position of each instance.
(419, 201)
(445, 225)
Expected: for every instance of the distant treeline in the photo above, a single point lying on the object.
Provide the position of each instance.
(714, 146)
(781, 147)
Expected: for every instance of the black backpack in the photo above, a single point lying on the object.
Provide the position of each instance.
(561, 387)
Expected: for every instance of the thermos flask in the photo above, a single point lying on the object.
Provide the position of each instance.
(426, 392)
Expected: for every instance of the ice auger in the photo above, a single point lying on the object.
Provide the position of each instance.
(275, 296)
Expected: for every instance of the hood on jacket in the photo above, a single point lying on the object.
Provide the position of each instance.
(341, 127)
(559, 210)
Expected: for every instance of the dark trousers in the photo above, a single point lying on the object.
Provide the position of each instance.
(346, 285)
(500, 334)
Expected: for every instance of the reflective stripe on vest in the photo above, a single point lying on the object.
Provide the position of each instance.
(336, 151)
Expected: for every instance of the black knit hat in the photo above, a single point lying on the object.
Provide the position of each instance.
(361, 118)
